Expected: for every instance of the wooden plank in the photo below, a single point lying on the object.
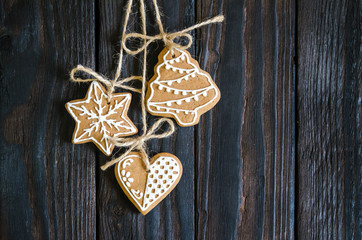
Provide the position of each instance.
(173, 218)
(47, 183)
(245, 186)
(329, 106)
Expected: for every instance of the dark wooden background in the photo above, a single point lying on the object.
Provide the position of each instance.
(279, 157)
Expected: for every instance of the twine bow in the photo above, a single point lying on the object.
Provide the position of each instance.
(109, 84)
(167, 38)
(139, 143)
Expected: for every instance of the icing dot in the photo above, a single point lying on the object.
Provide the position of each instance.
(182, 57)
(177, 111)
(178, 102)
(169, 83)
(168, 90)
(196, 98)
(172, 61)
(130, 179)
(173, 69)
(177, 60)
(158, 108)
(176, 92)
(193, 92)
(123, 172)
(128, 184)
(181, 71)
(184, 93)
(204, 94)
(193, 75)
(186, 77)
(124, 179)
(178, 80)
(160, 87)
(168, 104)
(188, 100)
(168, 67)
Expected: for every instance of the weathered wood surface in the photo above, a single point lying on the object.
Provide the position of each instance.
(279, 157)
(329, 120)
(48, 185)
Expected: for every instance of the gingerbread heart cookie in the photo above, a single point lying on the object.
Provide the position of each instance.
(146, 189)
(99, 117)
(180, 89)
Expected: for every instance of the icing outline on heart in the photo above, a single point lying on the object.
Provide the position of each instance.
(165, 173)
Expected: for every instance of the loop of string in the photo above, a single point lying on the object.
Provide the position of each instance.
(138, 143)
(167, 38)
(110, 85)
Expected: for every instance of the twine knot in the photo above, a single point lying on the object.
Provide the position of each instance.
(110, 85)
(138, 143)
(167, 38)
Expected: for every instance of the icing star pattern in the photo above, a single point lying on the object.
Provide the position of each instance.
(100, 117)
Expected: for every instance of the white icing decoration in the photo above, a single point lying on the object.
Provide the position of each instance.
(163, 174)
(101, 120)
(159, 107)
(138, 194)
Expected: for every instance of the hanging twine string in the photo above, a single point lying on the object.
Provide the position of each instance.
(139, 143)
(167, 38)
(109, 84)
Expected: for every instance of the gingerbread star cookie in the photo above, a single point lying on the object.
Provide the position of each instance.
(146, 189)
(180, 89)
(100, 117)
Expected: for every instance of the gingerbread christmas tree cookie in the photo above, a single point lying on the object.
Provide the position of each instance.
(146, 189)
(180, 89)
(100, 117)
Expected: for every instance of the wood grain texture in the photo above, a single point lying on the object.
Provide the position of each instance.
(245, 145)
(329, 108)
(47, 183)
(279, 157)
(173, 218)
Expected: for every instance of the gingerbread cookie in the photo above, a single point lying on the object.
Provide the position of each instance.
(146, 189)
(99, 117)
(180, 89)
